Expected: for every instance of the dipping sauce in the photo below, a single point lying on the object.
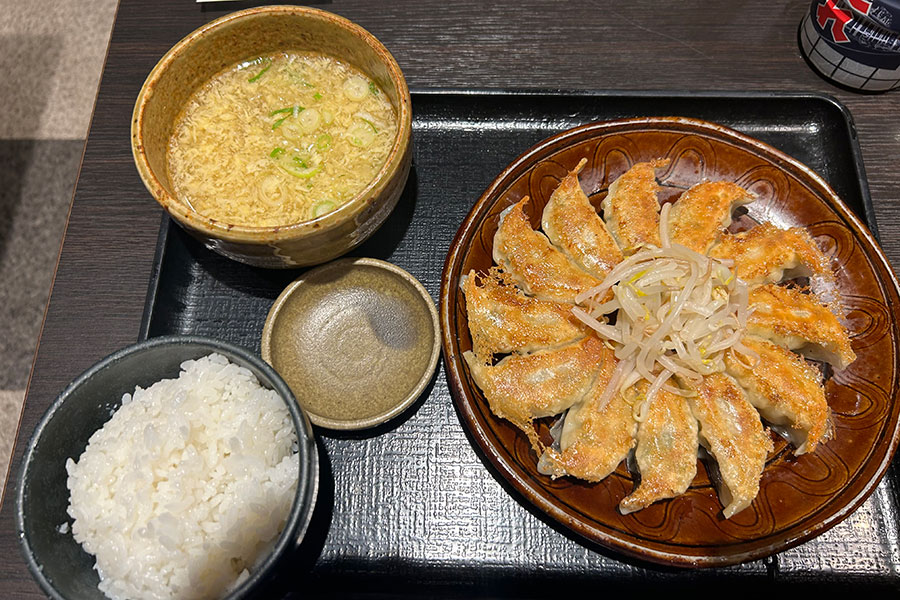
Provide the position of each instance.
(280, 139)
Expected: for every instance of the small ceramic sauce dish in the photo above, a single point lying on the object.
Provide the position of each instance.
(357, 341)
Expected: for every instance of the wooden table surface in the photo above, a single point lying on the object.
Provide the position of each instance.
(712, 45)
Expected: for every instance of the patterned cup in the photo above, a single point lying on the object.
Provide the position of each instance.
(850, 48)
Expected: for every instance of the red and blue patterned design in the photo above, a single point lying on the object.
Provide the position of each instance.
(851, 49)
(885, 13)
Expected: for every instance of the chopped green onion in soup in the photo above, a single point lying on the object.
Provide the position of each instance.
(310, 120)
(323, 142)
(361, 135)
(249, 149)
(356, 88)
(325, 206)
(256, 77)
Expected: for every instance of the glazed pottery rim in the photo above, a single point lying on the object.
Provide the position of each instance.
(427, 373)
(305, 496)
(464, 402)
(278, 233)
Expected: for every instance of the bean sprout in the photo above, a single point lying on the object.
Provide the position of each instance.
(677, 314)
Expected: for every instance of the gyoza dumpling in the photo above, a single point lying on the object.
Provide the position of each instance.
(631, 208)
(732, 433)
(786, 390)
(666, 451)
(572, 224)
(502, 319)
(798, 321)
(595, 438)
(533, 262)
(700, 214)
(767, 254)
(521, 388)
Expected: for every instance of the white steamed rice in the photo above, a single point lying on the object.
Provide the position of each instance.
(187, 486)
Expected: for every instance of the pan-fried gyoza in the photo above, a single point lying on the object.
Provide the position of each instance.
(767, 254)
(572, 224)
(650, 331)
(539, 267)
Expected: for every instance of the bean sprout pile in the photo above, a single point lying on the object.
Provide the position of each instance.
(677, 312)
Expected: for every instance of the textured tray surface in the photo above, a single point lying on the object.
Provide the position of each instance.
(414, 499)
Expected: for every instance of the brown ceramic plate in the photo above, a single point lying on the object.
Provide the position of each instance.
(800, 497)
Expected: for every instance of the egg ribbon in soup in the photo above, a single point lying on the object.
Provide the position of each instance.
(280, 139)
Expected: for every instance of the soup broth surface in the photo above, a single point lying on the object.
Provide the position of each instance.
(280, 139)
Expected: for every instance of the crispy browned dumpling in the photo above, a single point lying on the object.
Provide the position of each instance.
(594, 439)
(558, 366)
(767, 254)
(786, 390)
(798, 321)
(572, 224)
(631, 207)
(502, 319)
(533, 262)
(666, 452)
(731, 431)
(521, 388)
(700, 214)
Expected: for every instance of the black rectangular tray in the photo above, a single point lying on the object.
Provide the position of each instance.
(411, 508)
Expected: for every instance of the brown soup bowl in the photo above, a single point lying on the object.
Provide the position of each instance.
(238, 37)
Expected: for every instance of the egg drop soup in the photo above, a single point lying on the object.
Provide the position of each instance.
(279, 140)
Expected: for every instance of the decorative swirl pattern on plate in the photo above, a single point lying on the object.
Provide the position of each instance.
(817, 477)
(872, 401)
(835, 240)
(867, 319)
(661, 525)
(692, 160)
(800, 497)
(613, 156)
(771, 186)
(542, 180)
